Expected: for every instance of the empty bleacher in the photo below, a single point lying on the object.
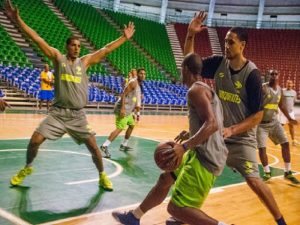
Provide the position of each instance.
(273, 49)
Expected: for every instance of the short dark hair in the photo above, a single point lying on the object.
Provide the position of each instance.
(70, 39)
(193, 62)
(140, 69)
(241, 33)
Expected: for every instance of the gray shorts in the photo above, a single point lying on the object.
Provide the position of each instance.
(61, 121)
(242, 158)
(273, 130)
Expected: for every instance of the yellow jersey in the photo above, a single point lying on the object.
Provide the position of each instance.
(46, 76)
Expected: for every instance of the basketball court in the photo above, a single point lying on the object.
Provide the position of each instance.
(64, 186)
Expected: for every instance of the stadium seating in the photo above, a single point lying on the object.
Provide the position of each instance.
(152, 36)
(100, 32)
(202, 43)
(52, 30)
(11, 53)
(273, 49)
(102, 89)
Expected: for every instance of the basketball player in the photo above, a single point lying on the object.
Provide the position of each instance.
(47, 81)
(238, 85)
(289, 97)
(271, 127)
(201, 164)
(71, 87)
(123, 112)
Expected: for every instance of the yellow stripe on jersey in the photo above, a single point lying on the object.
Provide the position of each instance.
(271, 106)
(70, 78)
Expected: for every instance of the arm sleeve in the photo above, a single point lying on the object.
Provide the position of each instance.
(254, 92)
(210, 66)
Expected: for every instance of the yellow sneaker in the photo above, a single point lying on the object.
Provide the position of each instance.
(20, 176)
(104, 182)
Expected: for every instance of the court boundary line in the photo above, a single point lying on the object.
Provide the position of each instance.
(213, 190)
(127, 207)
(12, 218)
(119, 168)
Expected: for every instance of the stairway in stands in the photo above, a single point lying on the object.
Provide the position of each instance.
(77, 33)
(21, 41)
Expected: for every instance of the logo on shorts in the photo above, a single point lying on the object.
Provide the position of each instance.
(248, 166)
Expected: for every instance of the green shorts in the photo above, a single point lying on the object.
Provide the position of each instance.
(122, 123)
(193, 182)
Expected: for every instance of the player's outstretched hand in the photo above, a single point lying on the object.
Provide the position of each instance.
(3, 105)
(184, 135)
(196, 24)
(11, 11)
(129, 30)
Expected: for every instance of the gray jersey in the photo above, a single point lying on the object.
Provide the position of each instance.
(130, 99)
(288, 99)
(212, 153)
(233, 95)
(71, 84)
(270, 103)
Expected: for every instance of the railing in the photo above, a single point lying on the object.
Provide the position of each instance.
(184, 18)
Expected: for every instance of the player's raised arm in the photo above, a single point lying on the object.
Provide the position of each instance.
(195, 26)
(96, 57)
(13, 13)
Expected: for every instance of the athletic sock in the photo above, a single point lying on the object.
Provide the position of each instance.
(267, 169)
(106, 143)
(287, 167)
(222, 223)
(125, 142)
(138, 213)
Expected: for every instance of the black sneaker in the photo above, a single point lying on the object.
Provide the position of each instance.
(125, 148)
(104, 149)
(289, 176)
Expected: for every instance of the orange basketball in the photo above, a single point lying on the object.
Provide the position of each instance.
(166, 165)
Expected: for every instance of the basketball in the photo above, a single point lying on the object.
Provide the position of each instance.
(162, 163)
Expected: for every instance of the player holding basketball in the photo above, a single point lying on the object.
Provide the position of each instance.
(71, 88)
(200, 165)
(238, 85)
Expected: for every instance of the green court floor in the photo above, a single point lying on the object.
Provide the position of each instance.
(64, 183)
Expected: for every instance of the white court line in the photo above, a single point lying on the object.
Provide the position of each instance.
(279, 150)
(274, 157)
(119, 168)
(12, 218)
(212, 191)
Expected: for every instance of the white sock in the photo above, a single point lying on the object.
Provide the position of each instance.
(106, 143)
(222, 223)
(267, 169)
(138, 213)
(125, 142)
(287, 167)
